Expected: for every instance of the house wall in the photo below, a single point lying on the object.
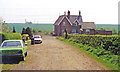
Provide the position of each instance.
(101, 32)
(76, 27)
(92, 31)
(61, 27)
(56, 29)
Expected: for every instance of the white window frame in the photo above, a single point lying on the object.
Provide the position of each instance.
(74, 30)
(75, 24)
(87, 31)
(64, 23)
(63, 31)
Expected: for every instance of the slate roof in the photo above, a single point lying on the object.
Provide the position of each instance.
(88, 25)
(71, 19)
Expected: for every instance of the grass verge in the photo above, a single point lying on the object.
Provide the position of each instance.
(107, 60)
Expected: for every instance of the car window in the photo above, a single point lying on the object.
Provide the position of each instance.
(36, 36)
(12, 44)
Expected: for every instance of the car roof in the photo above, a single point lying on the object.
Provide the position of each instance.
(14, 40)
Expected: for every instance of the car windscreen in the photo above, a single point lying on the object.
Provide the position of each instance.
(12, 44)
(36, 36)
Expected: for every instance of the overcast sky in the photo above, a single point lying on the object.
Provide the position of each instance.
(47, 11)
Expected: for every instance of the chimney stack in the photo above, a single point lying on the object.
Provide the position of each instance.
(64, 13)
(79, 13)
(68, 14)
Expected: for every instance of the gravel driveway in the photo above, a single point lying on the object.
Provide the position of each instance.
(53, 54)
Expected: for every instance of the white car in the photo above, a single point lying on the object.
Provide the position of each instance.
(37, 39)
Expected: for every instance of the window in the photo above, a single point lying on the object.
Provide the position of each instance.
(63, 23)
(73, 30)
(12, 44)
(63, 31)
(87, 31)
(75, 24)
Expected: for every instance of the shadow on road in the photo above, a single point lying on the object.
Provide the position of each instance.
(9, 61)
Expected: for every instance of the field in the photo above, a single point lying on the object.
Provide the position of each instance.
(20, 26)
(50, 27)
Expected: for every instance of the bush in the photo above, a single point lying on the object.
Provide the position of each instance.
(10, 36)
(109, 43)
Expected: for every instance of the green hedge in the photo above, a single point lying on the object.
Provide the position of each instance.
(10, 36)
(104, 48)
(109, 43)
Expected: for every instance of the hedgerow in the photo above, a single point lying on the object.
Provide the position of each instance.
(104, 48)
(109, 43)
(10, 36)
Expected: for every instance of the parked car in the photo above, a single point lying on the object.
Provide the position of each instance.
(37, 39)
(38, 34)
(13, 48)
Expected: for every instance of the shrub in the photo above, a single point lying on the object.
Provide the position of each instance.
(10, 36)
(109, 43)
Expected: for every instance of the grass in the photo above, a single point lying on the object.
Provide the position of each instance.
(105, 60)
(7, 66)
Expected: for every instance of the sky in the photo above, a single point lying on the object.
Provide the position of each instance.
(47, 11)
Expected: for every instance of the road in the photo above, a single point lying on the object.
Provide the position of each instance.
(54, 54)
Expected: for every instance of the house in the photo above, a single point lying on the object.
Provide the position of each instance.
(88, 28)
(73, 24)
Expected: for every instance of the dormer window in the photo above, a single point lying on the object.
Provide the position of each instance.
(63, 23)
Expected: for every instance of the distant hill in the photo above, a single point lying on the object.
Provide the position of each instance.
(20, 26)
(50, 27)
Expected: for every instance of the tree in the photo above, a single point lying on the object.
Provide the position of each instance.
(28, 31)
(14, 30)
(4, 27)
(24, 31)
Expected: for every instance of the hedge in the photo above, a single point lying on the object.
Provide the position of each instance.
(10, 36)
(109, 43)
(104, 48)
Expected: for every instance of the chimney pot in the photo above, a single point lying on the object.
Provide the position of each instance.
(79, 13)
(68, 14)
(65, 13)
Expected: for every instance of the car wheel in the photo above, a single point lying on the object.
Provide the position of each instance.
(22, 59)
(25, 54)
